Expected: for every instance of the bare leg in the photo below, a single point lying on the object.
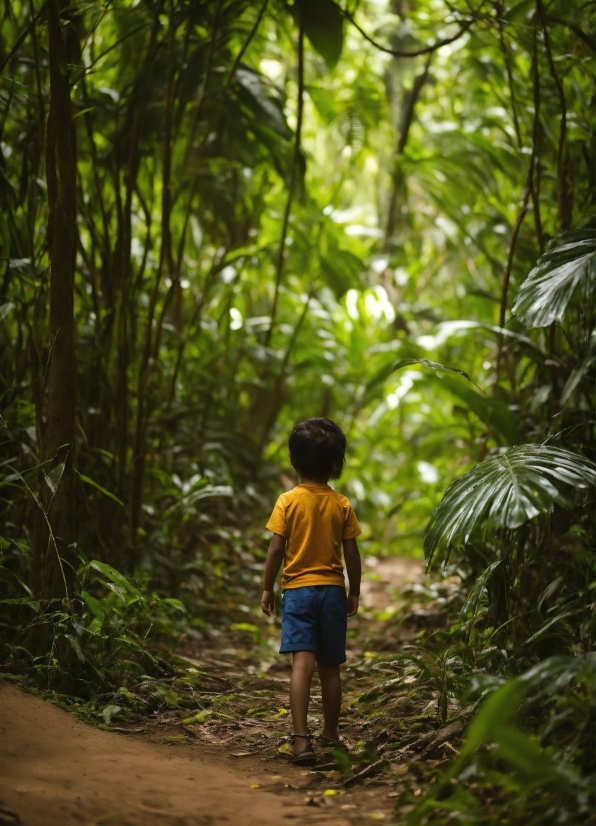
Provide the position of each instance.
(331, 695)
(303, 667)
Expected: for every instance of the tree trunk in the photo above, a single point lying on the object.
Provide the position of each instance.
(54, 558)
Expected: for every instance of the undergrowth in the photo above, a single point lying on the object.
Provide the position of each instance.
(471, 721)
(466, 732)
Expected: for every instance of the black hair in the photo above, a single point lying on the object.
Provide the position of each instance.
(318, 448)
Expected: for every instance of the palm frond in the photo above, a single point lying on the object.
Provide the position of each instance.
(508, 489)
(569, 260)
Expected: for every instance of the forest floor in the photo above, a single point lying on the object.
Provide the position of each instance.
(218, 763)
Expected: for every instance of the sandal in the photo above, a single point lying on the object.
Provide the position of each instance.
(306, 757)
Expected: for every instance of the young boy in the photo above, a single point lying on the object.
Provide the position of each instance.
(310, 524)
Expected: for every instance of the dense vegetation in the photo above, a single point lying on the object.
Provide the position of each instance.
(220, 217)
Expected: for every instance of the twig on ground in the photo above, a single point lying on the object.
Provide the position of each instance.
(374, 768)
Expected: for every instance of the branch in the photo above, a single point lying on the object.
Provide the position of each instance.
(115, 44)
(577, 31)
(562, 180)
(426, 50)
(535, 185)
(247, 43)
(21, 39)
(523, 209)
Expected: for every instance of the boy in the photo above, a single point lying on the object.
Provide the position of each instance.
(310, 524)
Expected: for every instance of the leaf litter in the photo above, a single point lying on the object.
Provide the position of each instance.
(390, 718)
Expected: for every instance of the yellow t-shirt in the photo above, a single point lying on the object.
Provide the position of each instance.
(314, 520)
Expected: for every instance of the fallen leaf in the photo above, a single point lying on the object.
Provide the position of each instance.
(254, 786)
(243, 753)
(330, 792)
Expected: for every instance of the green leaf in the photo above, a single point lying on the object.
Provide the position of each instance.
(174, 603)
(205, 492)
(116, 578)
(509, 490)
(553, 621)
(110, 711)
(523, 754)
(494, 413)
(94, 605)
(473, 600)
(325, 102)
(324, 26)
(460, 327)
(252, 91)
(341, 269)
(551, 589)
(434, 365)
(76, 647)
(96, 626)
(244, 626)
(499, 709)
(5, 309)
(105, 492)
(555, 673)
(54, 476)
(121, 593)
(575, 379)
(570, 260)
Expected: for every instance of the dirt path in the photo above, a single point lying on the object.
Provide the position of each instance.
(221, 768)
(55, 769)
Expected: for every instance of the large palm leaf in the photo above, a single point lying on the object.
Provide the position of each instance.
(508, 489)
(569, 260)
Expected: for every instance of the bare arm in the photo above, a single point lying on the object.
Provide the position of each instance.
(354, 569)
(275, 557)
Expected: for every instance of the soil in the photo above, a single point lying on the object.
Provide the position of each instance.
(55, 769)
(220, 769)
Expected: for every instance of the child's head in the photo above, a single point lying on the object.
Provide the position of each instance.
(317, 448)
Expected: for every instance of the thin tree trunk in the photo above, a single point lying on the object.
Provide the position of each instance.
(398, 182)
(55, 529)
(165, 263)
(281, 255)
(122, 253)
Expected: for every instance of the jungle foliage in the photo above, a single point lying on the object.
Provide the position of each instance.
(220, 217)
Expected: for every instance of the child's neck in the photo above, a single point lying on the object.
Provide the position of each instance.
(305, 481)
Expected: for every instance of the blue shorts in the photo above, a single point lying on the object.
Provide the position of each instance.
(315, 618)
